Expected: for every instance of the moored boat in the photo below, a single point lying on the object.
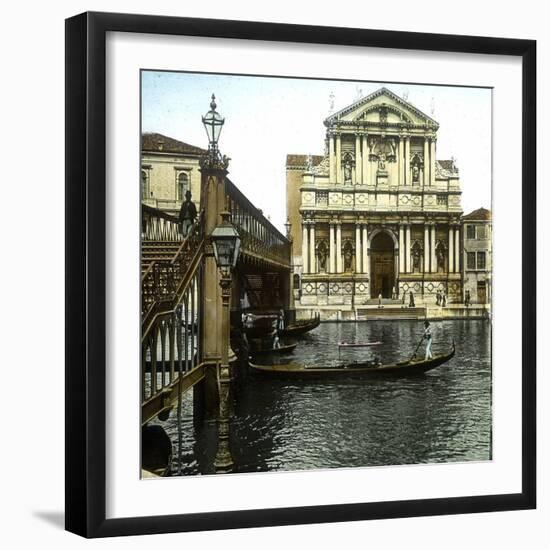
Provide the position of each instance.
(300, 327)
(289, 348)
(356, 369)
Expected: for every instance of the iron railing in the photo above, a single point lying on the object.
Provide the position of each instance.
(157, 225)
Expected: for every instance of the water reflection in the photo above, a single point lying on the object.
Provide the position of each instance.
(442, 416)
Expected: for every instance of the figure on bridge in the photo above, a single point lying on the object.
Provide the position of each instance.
(188, 214)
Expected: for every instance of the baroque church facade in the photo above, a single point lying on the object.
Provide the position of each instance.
(378, 214)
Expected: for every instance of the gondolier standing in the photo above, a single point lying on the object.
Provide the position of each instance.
(428, 338)
(281, 320)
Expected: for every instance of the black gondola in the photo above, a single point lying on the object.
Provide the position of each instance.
(357, 369)
(300, 327)
(289, 348)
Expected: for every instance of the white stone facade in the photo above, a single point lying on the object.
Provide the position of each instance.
(378, 214)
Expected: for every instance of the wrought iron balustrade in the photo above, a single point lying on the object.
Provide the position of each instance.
(164, 281)
(157, 225)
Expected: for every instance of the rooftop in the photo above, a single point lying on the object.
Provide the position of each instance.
(481, 214)
(300, 161)
(158, 143)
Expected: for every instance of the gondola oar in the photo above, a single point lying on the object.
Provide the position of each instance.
(414, 354)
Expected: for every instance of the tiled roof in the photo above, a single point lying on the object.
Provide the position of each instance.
(481, 214)
(300, 161)
(158, 143)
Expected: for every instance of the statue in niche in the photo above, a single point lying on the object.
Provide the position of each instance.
(415, 173)
(348, 256)
(347, 170)
(322, 254)
(440, 255)
(416, 257)
(382, 162)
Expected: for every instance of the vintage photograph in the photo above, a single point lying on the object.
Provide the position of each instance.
(316, 274)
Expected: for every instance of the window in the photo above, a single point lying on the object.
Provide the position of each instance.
(471, 260)
(470, 231)
(296, 281)
(144, 184)
(481, 232)
(182, 185)
(442, 200)
(481, 260)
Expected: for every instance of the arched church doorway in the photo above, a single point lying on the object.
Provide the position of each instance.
(382, 265)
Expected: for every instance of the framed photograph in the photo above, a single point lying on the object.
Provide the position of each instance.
(300, 274)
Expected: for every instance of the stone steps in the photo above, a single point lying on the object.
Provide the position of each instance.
(391, 313)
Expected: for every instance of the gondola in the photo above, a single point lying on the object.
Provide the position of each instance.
(300, 327)
(356, 369)
(289, 348)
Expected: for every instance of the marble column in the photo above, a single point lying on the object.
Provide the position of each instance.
(312, 258)
(451, 260)
(457, 249)
(358, 160)
(338, 159)
(338, 247)
(401, 249)
(426, 248)
(332, 159)
(433, 262)
(365, 252)
(358, 256)
(365, 157)
(408, 249)
(432, 161)
(331, 250)
(407, 160)
(400, 162)
(426, 168)
(305, 248)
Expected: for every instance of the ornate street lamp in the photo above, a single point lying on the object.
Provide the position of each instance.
(213, 123)
(226, 244)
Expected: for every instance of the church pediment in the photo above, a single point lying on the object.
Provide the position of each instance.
(382, 107)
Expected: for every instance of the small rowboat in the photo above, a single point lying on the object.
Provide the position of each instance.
(300, 327)
(358, 344)
(282, 349)
(356, 369)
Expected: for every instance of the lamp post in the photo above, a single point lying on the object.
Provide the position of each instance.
(226, 244)
(213, 123)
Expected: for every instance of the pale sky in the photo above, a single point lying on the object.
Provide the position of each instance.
(267, 118)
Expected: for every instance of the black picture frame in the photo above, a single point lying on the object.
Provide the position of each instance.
(86, 274)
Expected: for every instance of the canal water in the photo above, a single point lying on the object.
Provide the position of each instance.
(442, 416)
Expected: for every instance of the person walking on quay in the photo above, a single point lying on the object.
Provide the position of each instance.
(443, 299)
(428, 337)
(188, 214)
(411, 299)
(467, 299)
(379, 300)
(404, 298)
(437, 298)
